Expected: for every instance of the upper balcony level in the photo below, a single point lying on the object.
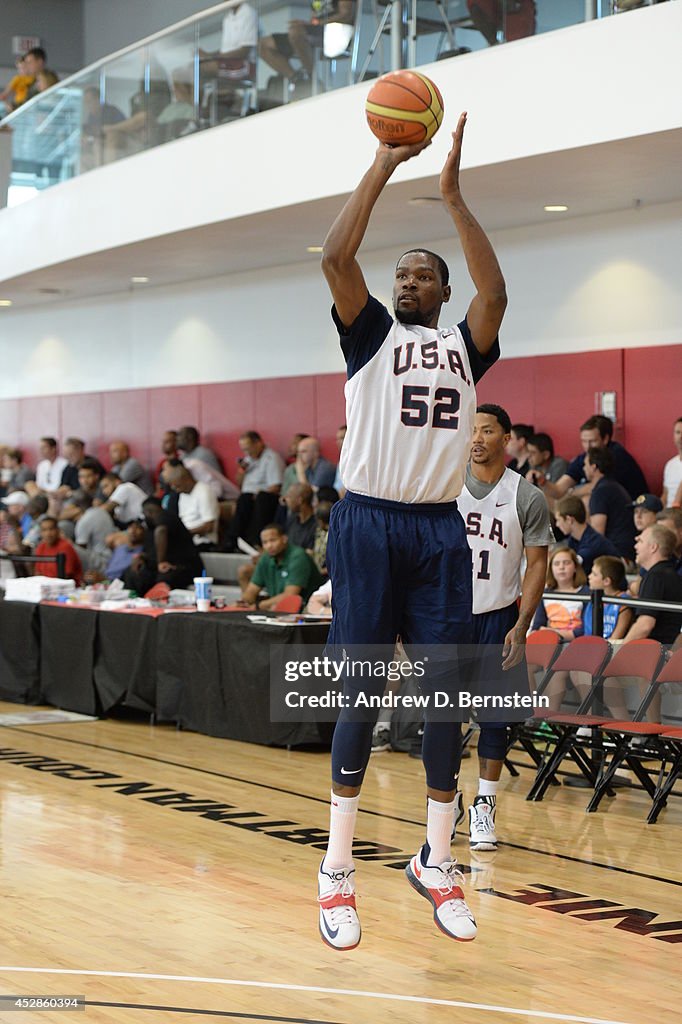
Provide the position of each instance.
(590, 113)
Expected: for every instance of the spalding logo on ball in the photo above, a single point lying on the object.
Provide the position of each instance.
(404, 108)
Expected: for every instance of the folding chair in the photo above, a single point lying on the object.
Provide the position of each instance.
(663, 742)
(288, 603)
(588, 654)
(542, 649)
(641, 658)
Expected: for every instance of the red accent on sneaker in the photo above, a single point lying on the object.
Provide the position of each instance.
(439, 898)
(339, 900)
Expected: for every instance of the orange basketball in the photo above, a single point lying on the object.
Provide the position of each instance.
(404, 107)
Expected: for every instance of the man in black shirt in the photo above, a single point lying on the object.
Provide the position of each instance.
(301, 522)
(597, 432)
(169, 555)
(74, 451)
(517, 447)
(571, 519)
(655, 547)
(610, 504)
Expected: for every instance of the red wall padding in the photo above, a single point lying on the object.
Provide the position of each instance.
(555, 393)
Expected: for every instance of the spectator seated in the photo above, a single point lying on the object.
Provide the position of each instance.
(128, 469)
(53, 543)
(169, 553)
(282, 569)
(121, 500)
(197, 506)
(260, 476)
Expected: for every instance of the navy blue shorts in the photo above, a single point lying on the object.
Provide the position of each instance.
(491, 628)
(398, 570)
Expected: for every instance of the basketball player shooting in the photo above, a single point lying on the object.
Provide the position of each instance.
(398, 554)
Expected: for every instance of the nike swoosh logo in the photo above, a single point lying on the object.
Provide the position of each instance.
(499, 504)
(330, 933)
(356, 772)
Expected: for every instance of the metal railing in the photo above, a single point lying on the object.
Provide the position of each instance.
(596, 599)
(60, 559)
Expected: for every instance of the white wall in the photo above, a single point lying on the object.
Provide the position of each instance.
(589, 283)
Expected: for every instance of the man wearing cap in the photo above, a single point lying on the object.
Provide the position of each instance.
(16, 503)
(646, 508)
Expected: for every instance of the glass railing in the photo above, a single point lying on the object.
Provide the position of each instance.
(237, 59)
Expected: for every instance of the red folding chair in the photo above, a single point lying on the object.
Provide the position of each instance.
(588, 654)
(643, 658)
(668, 744)
(542, 649)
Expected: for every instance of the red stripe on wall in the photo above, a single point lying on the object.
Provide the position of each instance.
(555, 393)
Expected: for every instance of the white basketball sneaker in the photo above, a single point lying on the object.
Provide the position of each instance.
(482, 824)
(442, 887)
(339, 921)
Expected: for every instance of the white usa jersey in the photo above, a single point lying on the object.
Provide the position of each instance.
(495, 536)
(410, 406)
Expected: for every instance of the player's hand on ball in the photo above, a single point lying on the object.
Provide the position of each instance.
(398, 154)
(449, 177)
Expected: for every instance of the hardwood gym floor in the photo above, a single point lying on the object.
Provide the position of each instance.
(169, 877)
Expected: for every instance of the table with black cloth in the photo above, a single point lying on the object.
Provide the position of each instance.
(214, 676)
(208, 672)
(19, 652)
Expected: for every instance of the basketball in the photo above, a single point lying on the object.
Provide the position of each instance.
(404, 108)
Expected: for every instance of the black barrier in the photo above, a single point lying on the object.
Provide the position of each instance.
(60, 559)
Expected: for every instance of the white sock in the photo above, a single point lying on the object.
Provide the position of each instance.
(343, 812)
(440, 819)
(487, 788)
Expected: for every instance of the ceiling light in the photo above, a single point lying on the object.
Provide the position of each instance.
(5, 302)
(139, 280)
(556, 209)
(313, 248)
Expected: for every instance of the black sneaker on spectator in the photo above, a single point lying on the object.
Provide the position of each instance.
(381, 739)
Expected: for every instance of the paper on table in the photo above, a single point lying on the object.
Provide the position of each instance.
(246, 548)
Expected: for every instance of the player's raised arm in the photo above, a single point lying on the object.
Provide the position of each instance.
(345, 236)
(485, 313)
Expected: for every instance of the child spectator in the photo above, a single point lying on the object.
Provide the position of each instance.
(564, 574)
(16, 91)
(608, 574)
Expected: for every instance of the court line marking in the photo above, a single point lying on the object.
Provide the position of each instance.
(232, 1014)
(325, 801)
(318, 989)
